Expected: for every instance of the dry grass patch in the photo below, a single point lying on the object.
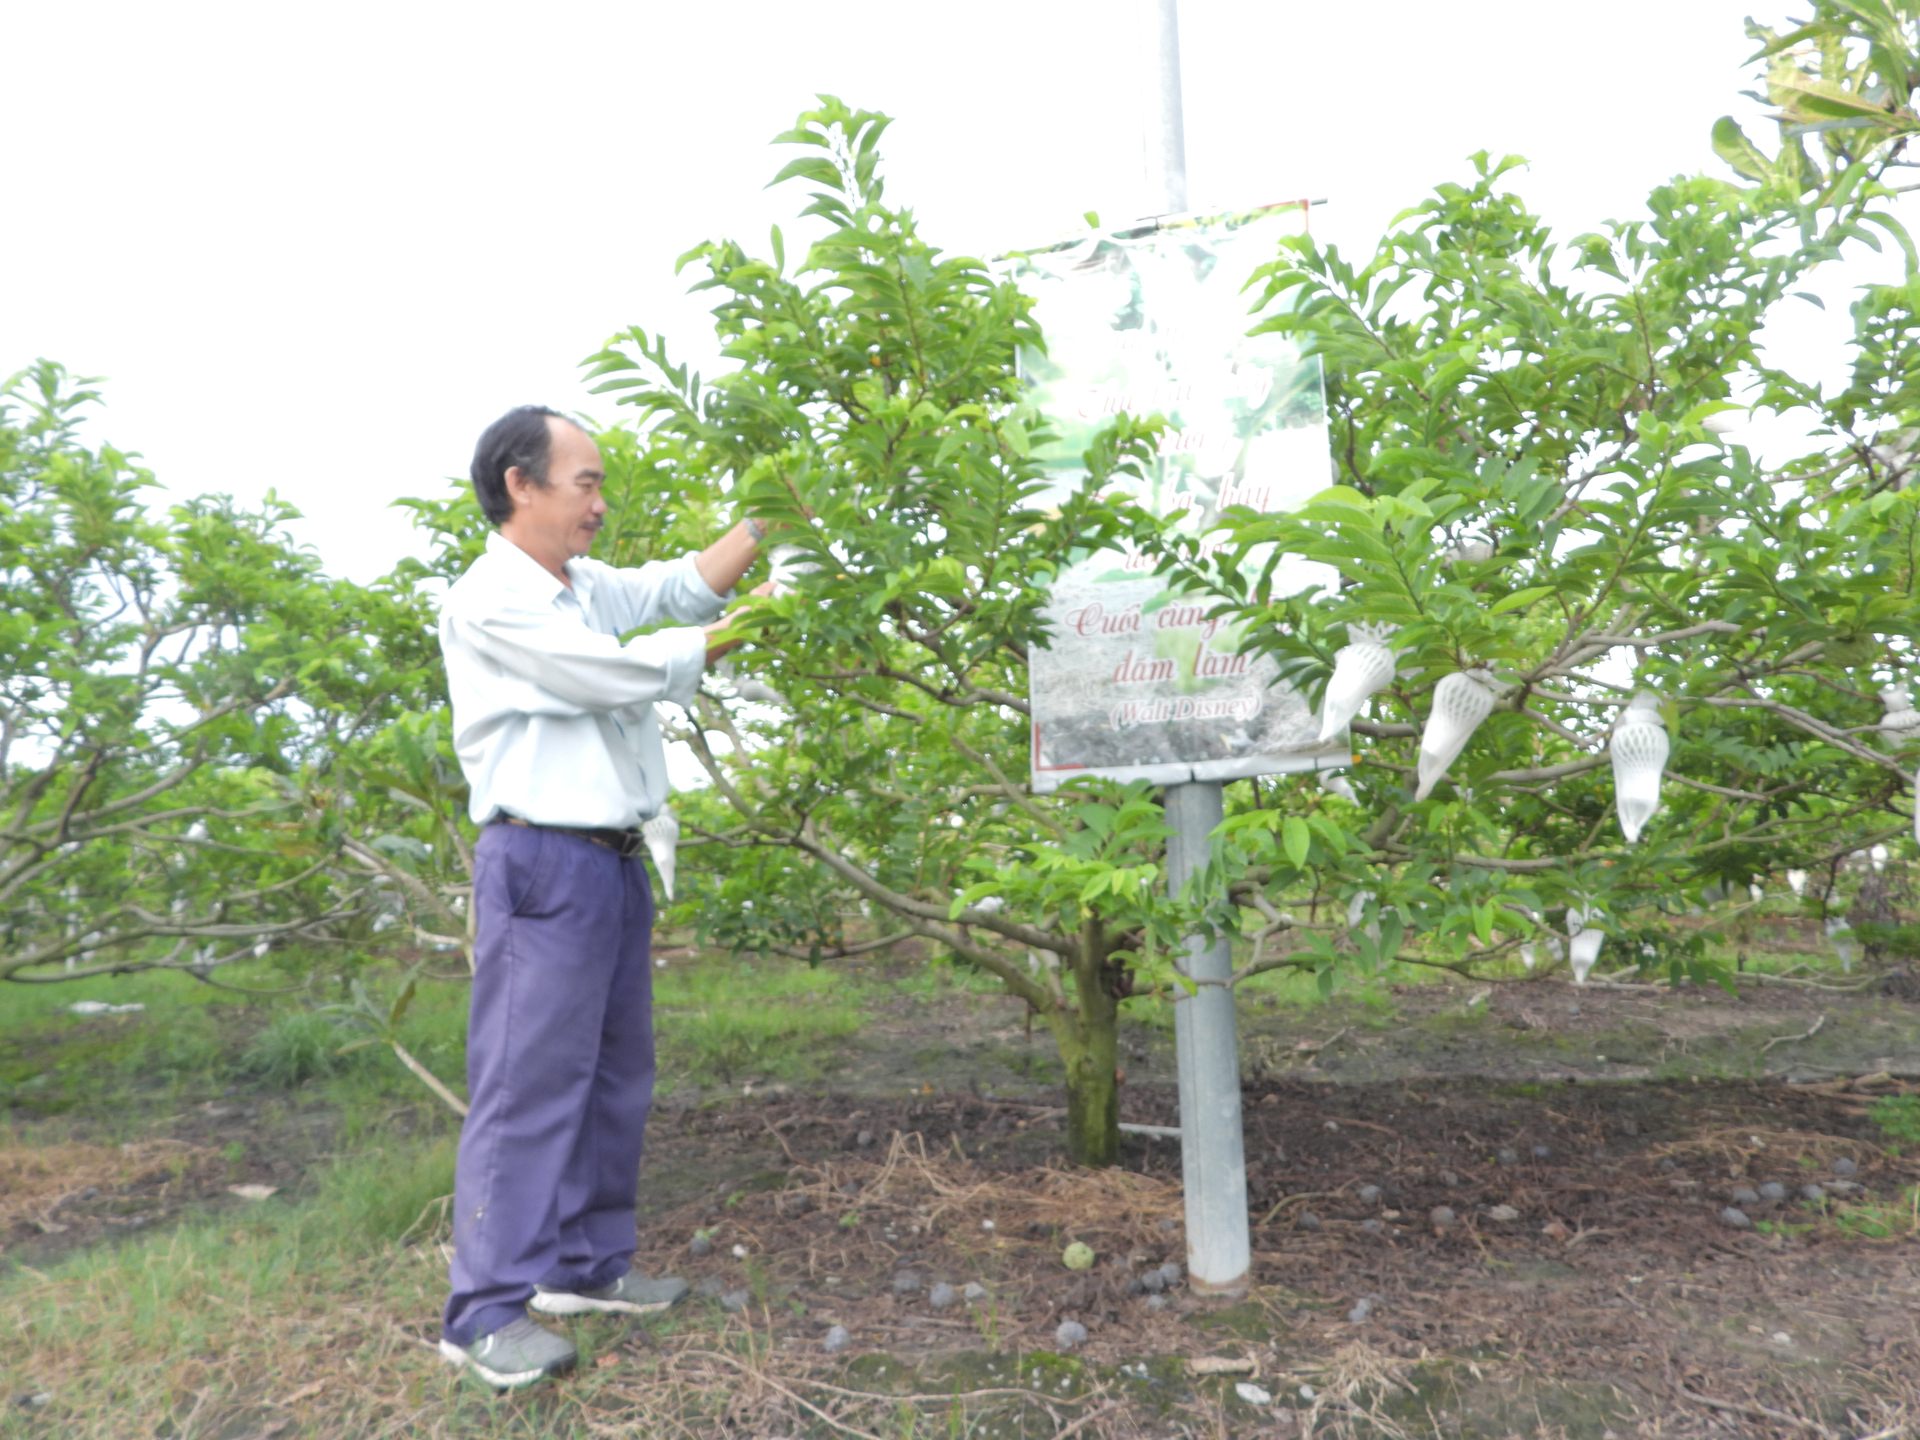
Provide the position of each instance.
(35, 1181)
(1740, 1147)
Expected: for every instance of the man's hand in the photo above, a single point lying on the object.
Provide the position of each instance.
(714, 652)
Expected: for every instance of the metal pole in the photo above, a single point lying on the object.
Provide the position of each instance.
(1213, 1146)
(1212, 1143)
(1165, 129)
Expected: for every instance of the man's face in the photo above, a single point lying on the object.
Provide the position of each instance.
(565, 513)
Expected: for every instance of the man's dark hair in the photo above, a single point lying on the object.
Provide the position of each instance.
(519, 437)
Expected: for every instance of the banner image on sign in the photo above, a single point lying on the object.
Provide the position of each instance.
(1138, 683)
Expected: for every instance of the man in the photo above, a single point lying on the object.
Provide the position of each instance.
(553, 721)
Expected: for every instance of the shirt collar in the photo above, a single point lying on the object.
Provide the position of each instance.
(526, 573)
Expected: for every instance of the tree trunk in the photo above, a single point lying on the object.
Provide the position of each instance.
(1089, 1038)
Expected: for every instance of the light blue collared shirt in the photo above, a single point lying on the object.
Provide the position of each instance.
(552, 716)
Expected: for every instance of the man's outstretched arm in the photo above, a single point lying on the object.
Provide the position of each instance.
(722, 563)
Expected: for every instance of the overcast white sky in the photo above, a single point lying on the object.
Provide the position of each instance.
(318, 248)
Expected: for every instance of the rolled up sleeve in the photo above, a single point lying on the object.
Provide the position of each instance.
(659, 590)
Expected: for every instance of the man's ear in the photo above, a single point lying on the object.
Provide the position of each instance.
(517, 483)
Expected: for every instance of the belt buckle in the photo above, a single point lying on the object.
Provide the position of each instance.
(631, 843)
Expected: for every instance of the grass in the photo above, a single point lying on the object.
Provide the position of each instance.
(325, 1308)
(778, 1041)
(194, 1040)
(721, 1022)
(388, 1194)
(318, 1319)
(322, 1311)
(294, 1048)
(1900, 1217)
(58, 1061)
(718, 1023)
(1898, 1117)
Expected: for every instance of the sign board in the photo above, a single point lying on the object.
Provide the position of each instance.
(1138, 683)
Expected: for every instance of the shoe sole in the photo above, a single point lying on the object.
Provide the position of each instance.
(562, 1302)
(499, 1379)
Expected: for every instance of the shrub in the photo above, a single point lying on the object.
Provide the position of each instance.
(294, 1049)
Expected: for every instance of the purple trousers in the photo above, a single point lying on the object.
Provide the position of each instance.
(559, 1074)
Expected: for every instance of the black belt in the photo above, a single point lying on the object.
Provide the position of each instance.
(625, 843)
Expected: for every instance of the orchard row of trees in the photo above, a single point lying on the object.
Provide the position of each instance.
(194, 718)
(210, 746)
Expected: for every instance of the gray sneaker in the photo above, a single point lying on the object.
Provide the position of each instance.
(518, 1353)
(630, 1294)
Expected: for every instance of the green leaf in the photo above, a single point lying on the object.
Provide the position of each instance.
(1824, 97)
(809, 167)
(1343, 496)
(1392, 930)
(1731, 144)
(400, 1003)
(1297, 840)
(1519, 599)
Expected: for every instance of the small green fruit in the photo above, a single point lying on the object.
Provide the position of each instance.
(1078, 1256)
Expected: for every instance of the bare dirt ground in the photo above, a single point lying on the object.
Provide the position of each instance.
(1477, 1211)
(1584, 1279)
